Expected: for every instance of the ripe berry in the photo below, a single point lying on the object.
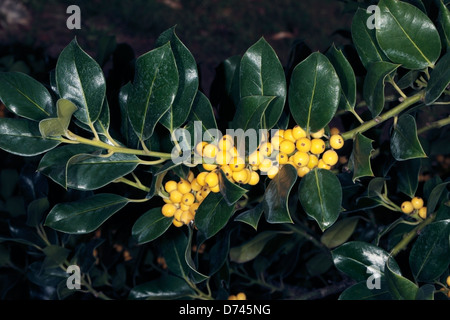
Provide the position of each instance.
(188, 199)
(175, 196)
(177, 223)
(407, 207)
(170, 186)
(241, 296)
(298, 132)
(334, 131)
(215, 189)
(168, 210)
(223, 157)
(275, 141)
(301, 159)
(194, 207)
(330, 157)
(186, 217)
(265, 165)
(209, 166)
(212, 179)
(448, 281)
(317, 146)
(184, 186)
(191, 176)
(288, 135)
(199, 147)
(205, 191)
(226, 143)
(322, 165)
(255, 158)
(336, 141)
(313, 161)
(195, 185)
(417, 202)
(282, 158)
(273, 171)
(201, 178)
(210, 150)
(177, 215)
(237, 164)
(303, 144)
(240, 176)
(254, 178)
(227, 171)
(265, 149)
(423, 212)
(301, 172)
(318, 134)
(287, 146)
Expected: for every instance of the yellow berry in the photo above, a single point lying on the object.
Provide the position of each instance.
(330, 157)
(318, 134)
(234, 152)
(232, 297)
(317, 146)
(170, 186)
(177, 215)
(287, 146)
(167, 200)
(336, 141)
(322, 165)
(186, 217)
(301, 159)
(298, 132)
(175, 196)
(168, 210)
(423, 212)
(183, 206)
(188, 199)
(448, 281)
(265, 165)
(205, 191)
(195, 185)
(288, 135)
(227, 171)
(199, 147)
(184, 186)
(303, 144)
(240, 176)
(407, 207)
(226, 143)
(417, 202)
(255, 158)
(273, 171)
(199, 197)
(334, 131)
(275, 141)
(265, 149)
(254, 178)
(201, 178)
(212, 179)
(194, 207)
(216, 188)
(209, 166)
(313, 161)
(301, 172)
(210, 150)
(279, 133)
(191, 176)
(282, 158)
(223, 157)
(177, 223)
(237, 164)
(241, 296)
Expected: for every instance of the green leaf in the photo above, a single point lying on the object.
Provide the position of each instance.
(261, 74)
(55, 256)
(320, 194)
(187, 83)
(213, 214)
(430, 254)
(439, 80)
(314, 92)
(173, 246)
(400, 287)
(84, 168)
(201, 115)
(346, 76)
(407, 36)
(249, 250)
(276, 196)
(359, 160)
(36, 210)
(166, 287)
(150, 226)
(252, 216)
(359, 259)
(101, 125)
(444, 25)
(80, 79)
(436, 196)
(86, 215)
(231, 191)
(319, 264)
(404, 141)
(154, 89)
(25, 96)
(408, 176)
(339, 232)
(58, 126)
(196, 275)
(22, 137)
(250, 113)
(365, 40)
(426, 292)
(360, 291)
(373, 90)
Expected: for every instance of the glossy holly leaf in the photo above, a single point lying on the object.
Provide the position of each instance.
(346, 76)
(101, 125)
(359, 259)
(359, 161)
(126, 129)
(58, 126)
(339, 232)
(437, 193)
(430, 254)
(439, 80)
(22, 137)
(188, 80)
(373, 89)
(426, 292)
(55, 256)
(261, 74)
(231, 191)
(408, 176)
(213, 214)
(407, 36)
(173, 246)
(150, 226)
(252, 248)
(404, 141)
(86, 215)
(320, 194)
(154, 89)
(250, 113)
(80, 79)
(360, 291)
(314, 92)
(276, 196)
(201, 119)
(400, 287)
(195, 274)
(251, 216)
(444, 25)
(167, 287)
(365, 40)
(25, 96)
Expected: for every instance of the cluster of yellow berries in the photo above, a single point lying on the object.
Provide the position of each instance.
(239, 296)
(415, 205)
(185, 196)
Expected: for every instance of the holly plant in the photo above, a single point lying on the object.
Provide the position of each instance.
(327, 176)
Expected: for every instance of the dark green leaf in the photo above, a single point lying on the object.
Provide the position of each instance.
(150, 226)
(407, 36)
(430, 254)
(36, 210)
(314, 92)
(86, 215)
(426, 292)
(360, 291)
(339, 232)
(252, 248)
(408, 176)
(154, 89)
(187, 83)
(252, 216)
(58, 126)
(165, 288)
(55, 255)
(201, 119)
(196, 275)
(404, 142)
(436, 195)
(80, 79)
(373, 90)
(320, 194)
(439, 80)
(276, 196)
(319, 264)
(359, 161)
(444, 25)
(400, 287)
(231, 191)
(250, 113)
(25, 96)
(22, 137)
